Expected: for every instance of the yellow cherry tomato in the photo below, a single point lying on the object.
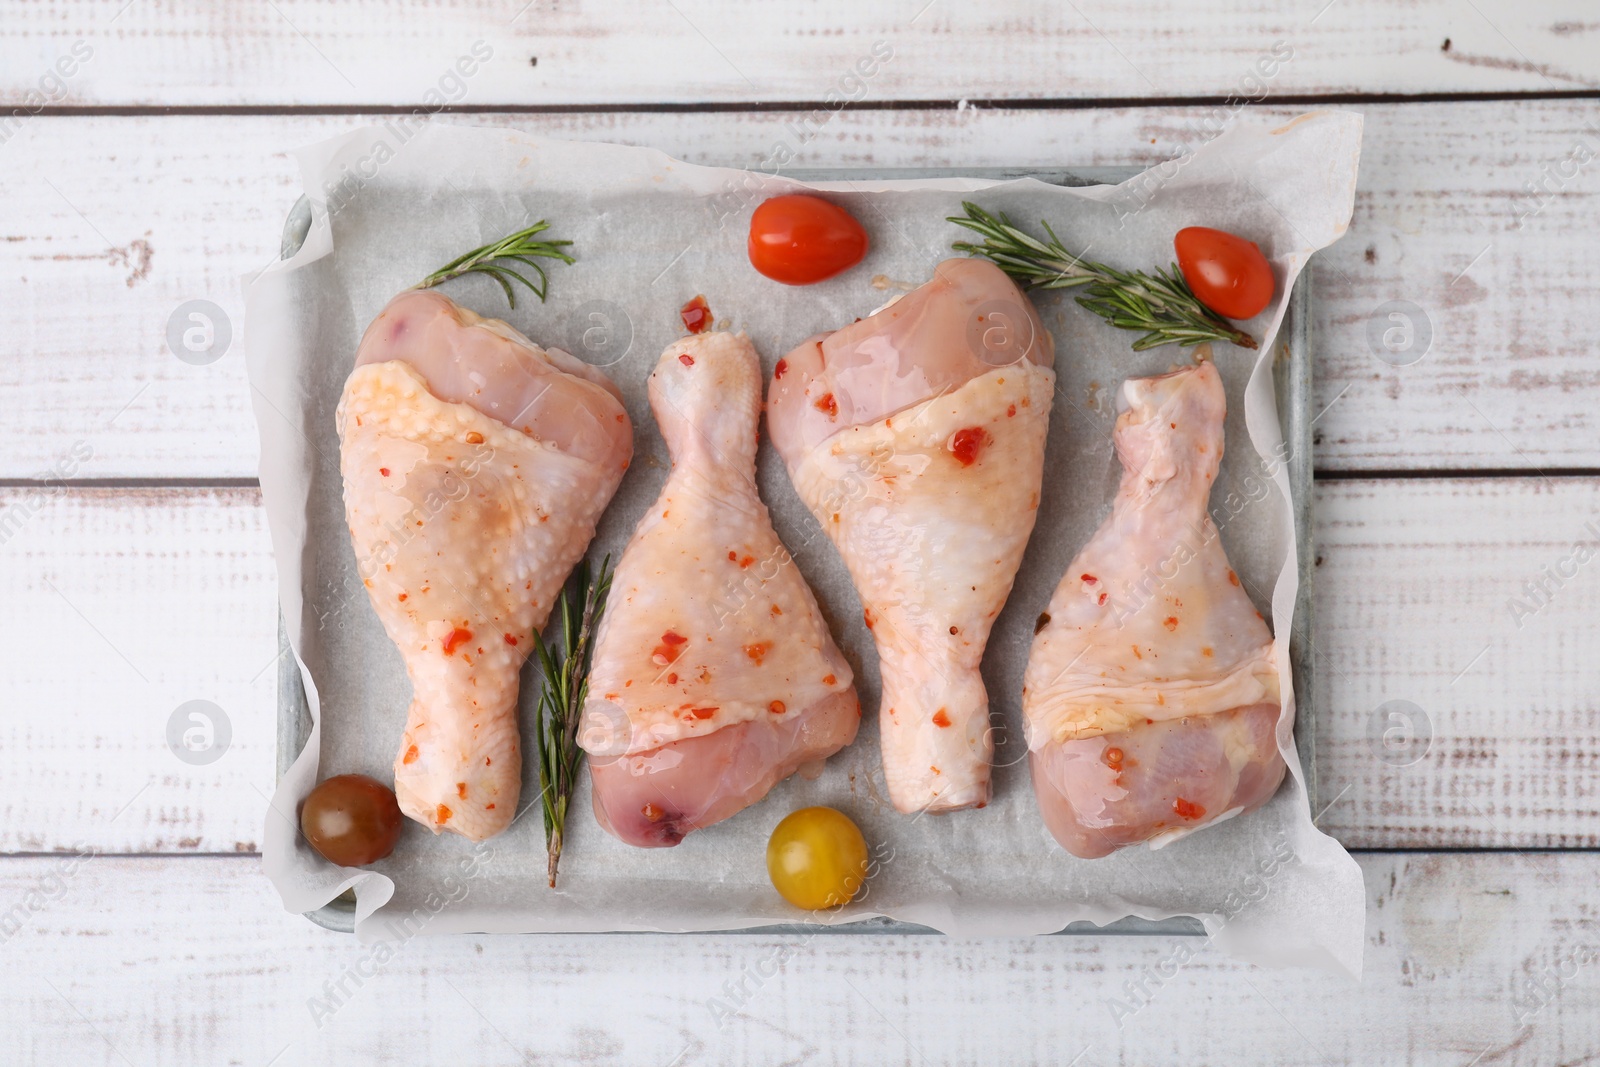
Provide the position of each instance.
(817, 858)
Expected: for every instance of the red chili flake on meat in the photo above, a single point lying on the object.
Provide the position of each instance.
(1233, 578)
(777, 707)
(1011, 411)
(776, 610)
(686, 359)
(1207, 653)
(733, 556)
(696, 316)
(703, 713)
(1112, 756)
(777, 372)
(511, 640)
(828, 679)
(1136, 653)
(866, 617)
(384, 471)
(461, 790)
(454, 640)
(442, 815)
(1102, 599)
(1170, 622)
(745, 562)
(670, 648)
(758, 651)
(1187, 810)
(966, 444)
(827, 405)
(941, 718)
(410, 756)
(402, 596)
(488, 807)
(1089, 578)
(651, 812)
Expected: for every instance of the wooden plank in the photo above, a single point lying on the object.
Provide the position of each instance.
(115, 222)
(1488, 956)
(1475, 603)
(550, 52)
(121, 607)
(152, 598)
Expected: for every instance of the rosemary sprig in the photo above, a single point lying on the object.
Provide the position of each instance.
(1163, 306)
(493, 259)
(566, 683)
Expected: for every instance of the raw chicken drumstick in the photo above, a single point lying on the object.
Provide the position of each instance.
(475, 466)
(916, 437)
(1151, 694)
(714, 673)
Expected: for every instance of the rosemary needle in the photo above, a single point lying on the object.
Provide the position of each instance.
(566, 683)
(495, 259)
(1162, 306)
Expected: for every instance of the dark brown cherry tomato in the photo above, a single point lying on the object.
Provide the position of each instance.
(1227, 273)
(798, 239)
(351, 820)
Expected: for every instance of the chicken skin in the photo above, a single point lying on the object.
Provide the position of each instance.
(916, 437)
(1151, 696)
(475, 466)
(714, 674)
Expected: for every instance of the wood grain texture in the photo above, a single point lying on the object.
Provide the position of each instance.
(120, 606)
(1488, 955)
(297, 52)
(148, 599)
(1476, 602)
(114, 222)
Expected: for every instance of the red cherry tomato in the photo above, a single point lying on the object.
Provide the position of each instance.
(798, 239)
(1227, 273)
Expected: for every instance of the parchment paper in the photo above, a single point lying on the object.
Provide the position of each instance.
(392, 204)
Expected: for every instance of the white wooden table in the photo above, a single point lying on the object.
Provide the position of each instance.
(135, 572)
